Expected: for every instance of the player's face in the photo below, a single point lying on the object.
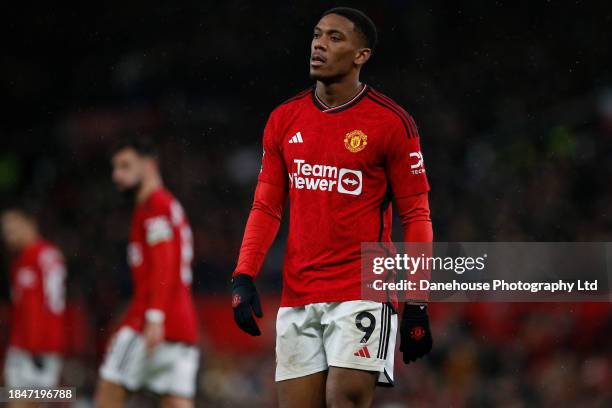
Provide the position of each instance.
(336, 49)
(128, 169)
(14, 230)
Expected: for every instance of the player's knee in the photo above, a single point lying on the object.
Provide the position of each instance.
(341, 396)
(350, 388)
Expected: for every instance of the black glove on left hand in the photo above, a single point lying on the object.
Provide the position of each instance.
(415, 334)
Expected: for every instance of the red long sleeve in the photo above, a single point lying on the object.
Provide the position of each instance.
(415, 216)
(160, 239)
(162, 264)
(33, 316)
(261, 228)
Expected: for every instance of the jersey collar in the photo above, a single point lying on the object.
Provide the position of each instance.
(334, 109)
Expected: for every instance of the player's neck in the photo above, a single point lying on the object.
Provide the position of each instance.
(149, 186)
(28, 240)
(336, 93)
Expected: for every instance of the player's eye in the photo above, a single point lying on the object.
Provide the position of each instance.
(335, 38)
(316, 35)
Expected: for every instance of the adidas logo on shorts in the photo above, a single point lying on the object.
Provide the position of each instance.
(362, 352)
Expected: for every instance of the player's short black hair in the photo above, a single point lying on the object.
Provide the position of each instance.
(363, 24)
(142, 145)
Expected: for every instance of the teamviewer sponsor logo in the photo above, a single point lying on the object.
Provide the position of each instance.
(321, 177)
(350, 182)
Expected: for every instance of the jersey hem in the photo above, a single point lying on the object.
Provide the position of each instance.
(291, 376)
(324, 298)
(176, 340)
(378, 367)
(37, 352)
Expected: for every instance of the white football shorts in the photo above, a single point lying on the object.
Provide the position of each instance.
(171, 369)
(357, 334)
(22, 371)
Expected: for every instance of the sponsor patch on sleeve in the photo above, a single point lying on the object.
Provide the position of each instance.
(158, 229)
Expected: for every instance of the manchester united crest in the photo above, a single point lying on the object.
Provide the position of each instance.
(355, 141)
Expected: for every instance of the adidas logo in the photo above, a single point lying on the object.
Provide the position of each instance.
(297, 138)
(362, 352)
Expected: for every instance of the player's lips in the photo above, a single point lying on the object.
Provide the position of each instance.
(316, 60)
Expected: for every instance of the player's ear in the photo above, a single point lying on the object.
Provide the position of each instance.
(362, 56)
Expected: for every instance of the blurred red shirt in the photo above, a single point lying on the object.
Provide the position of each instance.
(38, 278)
(160, 252)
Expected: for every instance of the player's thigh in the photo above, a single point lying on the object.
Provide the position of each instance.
(347, 387)
(109, 394)
(302, 392)
(172, 401)
(172, 371)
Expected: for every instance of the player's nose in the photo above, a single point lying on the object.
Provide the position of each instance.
(319, 44)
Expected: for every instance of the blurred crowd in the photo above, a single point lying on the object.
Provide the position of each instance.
(514, 107)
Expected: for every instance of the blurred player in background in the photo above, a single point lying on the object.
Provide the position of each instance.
(154, 347)
(340, 151)
(37, 327)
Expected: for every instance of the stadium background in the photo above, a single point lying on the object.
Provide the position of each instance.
(514, 105)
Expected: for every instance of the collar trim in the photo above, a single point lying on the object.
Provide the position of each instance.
(334, 109)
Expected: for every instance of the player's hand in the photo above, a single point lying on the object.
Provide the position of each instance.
(415, 334)
(38, 361)
(153, 334)
(245, 302)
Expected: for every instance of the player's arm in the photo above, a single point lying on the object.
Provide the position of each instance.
(415, 217)
(259, 233)
(31, 303)
(50, 297)
(261, 228)
(159, 237)
(406, 174)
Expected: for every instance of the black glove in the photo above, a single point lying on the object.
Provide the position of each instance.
(245, 298)
(415, 335)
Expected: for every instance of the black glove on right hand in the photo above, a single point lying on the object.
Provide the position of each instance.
(415, 334)
(245, 302)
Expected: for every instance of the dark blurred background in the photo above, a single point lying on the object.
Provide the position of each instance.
(514, 106)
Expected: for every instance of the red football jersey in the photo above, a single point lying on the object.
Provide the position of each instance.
(341, 166)
(160, 252)
(38, 299)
